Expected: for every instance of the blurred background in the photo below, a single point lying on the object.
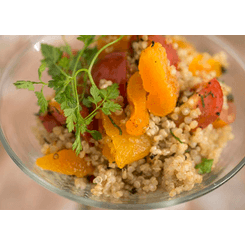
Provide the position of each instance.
(19, 192)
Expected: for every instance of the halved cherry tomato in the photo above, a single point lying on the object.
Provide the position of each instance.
(49, 122)
(112, 67)
(227, 116)
(208, 98)
(210, 102)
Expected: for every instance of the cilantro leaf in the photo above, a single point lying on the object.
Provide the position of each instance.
(24, 84)
(205, 166)
(42, 102)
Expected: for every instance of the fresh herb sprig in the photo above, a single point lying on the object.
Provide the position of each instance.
(64, 71)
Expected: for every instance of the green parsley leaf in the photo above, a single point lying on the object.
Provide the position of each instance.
(205, 166)
(25, 84)
(42, 102)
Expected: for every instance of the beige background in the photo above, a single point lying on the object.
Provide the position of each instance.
(18, 191)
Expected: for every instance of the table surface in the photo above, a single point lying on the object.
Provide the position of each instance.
(22, 193)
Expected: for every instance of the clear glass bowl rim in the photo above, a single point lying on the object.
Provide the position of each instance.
(94, 203)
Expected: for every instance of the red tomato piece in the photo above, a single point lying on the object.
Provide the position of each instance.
(49, 122)
(210, 102)
(55, 110)
(112, 67)
(171, 52)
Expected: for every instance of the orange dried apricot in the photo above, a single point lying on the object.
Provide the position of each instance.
(65, 162)
(202, 64)
(162, 86)
(139, 119)
(123, 149)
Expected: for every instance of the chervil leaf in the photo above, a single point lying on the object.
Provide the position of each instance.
(71, 118)
(25, 84)
(86, 102)
(112, 91)
(73, 62)
(89, 53)
(77, 146)
(95, 92)
(96, 134)
(42, 102)
(64, 62)
(109, 106)
(205, 166)
(41, 69)
(86, 39)
(50, 52)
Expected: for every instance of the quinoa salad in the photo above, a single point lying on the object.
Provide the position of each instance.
(132, 114)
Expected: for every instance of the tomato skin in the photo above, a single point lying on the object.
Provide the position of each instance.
(227, 116)
(49, 122)
(112, 67)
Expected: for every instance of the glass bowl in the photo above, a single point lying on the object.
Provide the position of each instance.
(17, 109)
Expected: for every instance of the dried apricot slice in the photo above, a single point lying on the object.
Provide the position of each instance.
(139, 119)
(123, 149)
(157, 79)
(65, 162)
(200, 64)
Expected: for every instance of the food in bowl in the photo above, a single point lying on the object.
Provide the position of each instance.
(132, 114)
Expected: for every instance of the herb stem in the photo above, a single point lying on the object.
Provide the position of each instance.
(96, 56)
(78, 58)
